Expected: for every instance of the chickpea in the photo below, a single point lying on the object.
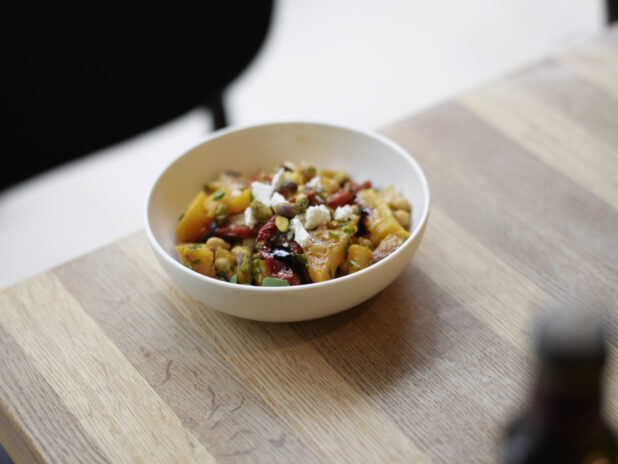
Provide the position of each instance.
(215, 242)
(400, 203)
(245, 263)
(340, 177)
(223, 265)
(330, 185)
(362, 241)
(403, 217)
(224, 254)
(249, 243)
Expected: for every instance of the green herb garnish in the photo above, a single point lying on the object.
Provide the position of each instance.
(195, 246)
(352, 263)
(311, 170)
(302, 257)
(188, 265)
(332, 234)
(347, 230)
(346, 223)
(347, 246)
(274, 282)
(234, 279)
(181, 216)
(330, 273)
(404, 240)
(218, 194)
(251, 197)
(196, 261)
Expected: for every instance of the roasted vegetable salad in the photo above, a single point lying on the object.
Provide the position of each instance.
(291, 227)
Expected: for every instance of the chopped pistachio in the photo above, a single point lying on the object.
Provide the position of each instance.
(302, 203)
(221, 214)
(274, 282)
(261, 212)
(282, 223)
(287, 186)
(288, 210)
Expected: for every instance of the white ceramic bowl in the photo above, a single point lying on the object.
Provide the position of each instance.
(364, 155)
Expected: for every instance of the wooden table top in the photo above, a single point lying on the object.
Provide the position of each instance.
(103, 359)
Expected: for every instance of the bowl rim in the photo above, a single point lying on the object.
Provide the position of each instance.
(293, 288)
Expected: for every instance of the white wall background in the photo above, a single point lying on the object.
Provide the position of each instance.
(359, 62)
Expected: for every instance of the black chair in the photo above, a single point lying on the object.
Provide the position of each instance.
(63, 98)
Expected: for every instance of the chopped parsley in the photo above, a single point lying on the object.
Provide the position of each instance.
(181, 216)
(251, 197)
(347, 246)
(346, 223)
(194, 246)
(356, 265)
(347, 230)
(404, 239)
(274, 282)
(332, 234)
(330, 273)
(311, 170)
(196, 261)
(234, 279)
(188, 265)
(218, 194)
(302, 257)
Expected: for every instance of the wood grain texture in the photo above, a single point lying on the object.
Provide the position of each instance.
(104, 359)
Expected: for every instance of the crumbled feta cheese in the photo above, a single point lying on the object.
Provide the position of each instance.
(276, 199)
(343, 213)
(277, 178)
(316, 216)
(249, 218)
(314, 183)
(261, 192)
(236, 192)
(301, 236)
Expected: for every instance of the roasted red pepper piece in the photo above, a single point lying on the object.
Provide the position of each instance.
(236, 231)
(268, 230)
(357, 187)
(278, 269)
(340, 198)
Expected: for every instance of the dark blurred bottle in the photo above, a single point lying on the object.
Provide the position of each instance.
(564, 422)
